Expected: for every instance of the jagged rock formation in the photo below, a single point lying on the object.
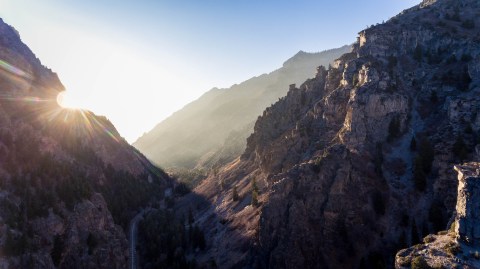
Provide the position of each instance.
(68, 180)
(457, 248)
(212, 130)
(355, 163)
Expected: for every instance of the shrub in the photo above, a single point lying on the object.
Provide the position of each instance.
(419, 263)
(452, 248)
(429, 239)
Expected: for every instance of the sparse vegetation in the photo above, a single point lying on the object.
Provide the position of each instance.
(452, 248)
(429, 239)
(419, 263)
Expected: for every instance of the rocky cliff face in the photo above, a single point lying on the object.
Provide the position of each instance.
(212, 130)
(68, 180)
(457, 247)
(356, 163)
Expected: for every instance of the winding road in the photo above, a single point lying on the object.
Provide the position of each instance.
(133, 238)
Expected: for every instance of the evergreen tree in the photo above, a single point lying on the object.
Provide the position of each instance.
(413, 144)
(414, 233)
(254, 193)
(235, 194)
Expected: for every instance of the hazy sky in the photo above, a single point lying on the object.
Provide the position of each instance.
(139, 61)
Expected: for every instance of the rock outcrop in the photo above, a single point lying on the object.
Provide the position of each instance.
(355, 164)
(467, 217)
(459, 246)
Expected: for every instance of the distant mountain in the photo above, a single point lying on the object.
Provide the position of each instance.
(212, 130)
(69, 183)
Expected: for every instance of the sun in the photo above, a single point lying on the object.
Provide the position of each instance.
(65, 100)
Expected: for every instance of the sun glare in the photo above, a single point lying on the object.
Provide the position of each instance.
(66, 101)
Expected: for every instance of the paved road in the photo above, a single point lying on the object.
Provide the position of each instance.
(133, 238)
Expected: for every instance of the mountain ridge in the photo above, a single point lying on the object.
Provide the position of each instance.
(219, 112)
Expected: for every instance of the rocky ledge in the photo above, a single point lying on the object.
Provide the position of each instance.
(459, 247)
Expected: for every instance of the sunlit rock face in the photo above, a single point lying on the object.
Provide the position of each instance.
(69, 183)
(356, 163)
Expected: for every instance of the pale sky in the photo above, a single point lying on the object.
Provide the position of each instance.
(139, 61)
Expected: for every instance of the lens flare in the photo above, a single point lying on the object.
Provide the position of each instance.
(65, 100)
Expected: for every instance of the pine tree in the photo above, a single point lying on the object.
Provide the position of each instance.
(414, 233)
(413, 144)
(254, 193)
(235, 194)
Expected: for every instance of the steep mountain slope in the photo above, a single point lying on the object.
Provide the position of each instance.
(213, 129)
(356, 163)
(68, 182)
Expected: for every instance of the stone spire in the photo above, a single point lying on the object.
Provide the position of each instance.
(467, 219)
